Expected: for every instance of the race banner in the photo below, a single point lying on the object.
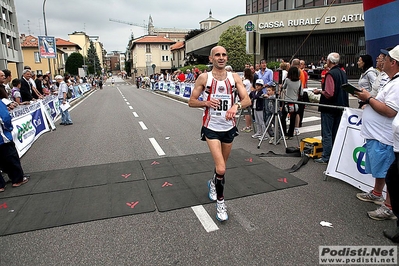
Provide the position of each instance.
(47, 47)
(347, 160)
(29, 126)
(187, 90)
(51, 105)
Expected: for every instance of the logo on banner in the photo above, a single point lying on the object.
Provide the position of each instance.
(359, 158)
(187, 91)
(177, 89)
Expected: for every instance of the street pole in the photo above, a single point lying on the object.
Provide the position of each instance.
(45, 33)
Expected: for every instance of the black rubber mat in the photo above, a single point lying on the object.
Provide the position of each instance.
(70, 206)
(82, 194)
(246, 175)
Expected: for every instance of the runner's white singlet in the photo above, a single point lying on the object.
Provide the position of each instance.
(215, 119)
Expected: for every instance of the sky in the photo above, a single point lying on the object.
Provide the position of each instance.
(92, 17)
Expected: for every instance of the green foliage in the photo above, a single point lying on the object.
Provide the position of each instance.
(200, 67)
(273, 65)
(73, 63)
(128, 68)
(233, 39)
(193, 33)
(93, 62)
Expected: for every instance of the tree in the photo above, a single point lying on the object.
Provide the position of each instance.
(233, 39)
(193, 33)
(73, 63)
(93, 62)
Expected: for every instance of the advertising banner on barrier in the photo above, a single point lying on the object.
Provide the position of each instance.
(187, 90)
(51, 104)
(347, 160)
(29, 126)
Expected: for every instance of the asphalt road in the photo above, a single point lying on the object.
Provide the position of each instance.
(276, 228)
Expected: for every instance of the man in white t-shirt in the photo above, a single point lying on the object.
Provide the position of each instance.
(376, 129)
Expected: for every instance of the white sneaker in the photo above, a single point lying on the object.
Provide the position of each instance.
(256, 135)
(264, 138)
(296, 132)
(212, 190)
(221, 211)
(271, 140)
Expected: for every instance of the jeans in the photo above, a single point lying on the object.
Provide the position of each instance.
(329, 127)
(392, 182)
(65, 117)
(10, 164)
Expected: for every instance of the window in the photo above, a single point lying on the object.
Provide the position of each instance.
(37, 57)
(147, 48)
(164, 47)
(165, 58)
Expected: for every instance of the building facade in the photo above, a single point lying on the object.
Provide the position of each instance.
(178, 57)
(10, 47)
(150, 54)
(306, 32)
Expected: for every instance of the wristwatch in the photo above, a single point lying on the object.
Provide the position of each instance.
(368, 99)
(239, 106)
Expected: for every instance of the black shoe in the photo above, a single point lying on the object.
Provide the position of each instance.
(392, 234)
(62, 123)
(68, 124)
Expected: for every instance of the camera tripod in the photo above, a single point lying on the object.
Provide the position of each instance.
(277, 125)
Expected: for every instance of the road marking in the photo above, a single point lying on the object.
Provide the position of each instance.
(311, 119)
(125, 99)
(310, 128)
(156, 146)
(135, 114)
(143, 125)
(127, 103)
(131, 107)
(206, 220)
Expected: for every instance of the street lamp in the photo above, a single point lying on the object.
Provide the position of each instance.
(45, 31)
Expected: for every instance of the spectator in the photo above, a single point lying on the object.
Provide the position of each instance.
(248, 77)
(292, 89)
(62, 99)
(377, 119)
(8, 77)
(3, 92)
(9, 158)
(181, 76)
(256, 97)
(26, 86)
(382, 77)
(265, 74)
(323, 73)
(39, 83)
(331, 94)
(269, 110)
(15, 92)
(189, 76)
(369, 75)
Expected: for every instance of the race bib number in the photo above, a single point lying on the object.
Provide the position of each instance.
(224, 105)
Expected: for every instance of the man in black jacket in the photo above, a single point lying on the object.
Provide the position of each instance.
(331, 94)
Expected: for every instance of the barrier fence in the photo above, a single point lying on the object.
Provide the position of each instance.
(33, 120)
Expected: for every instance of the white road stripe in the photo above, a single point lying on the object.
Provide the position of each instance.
(143, 125)
(156, 146)
(206, 220)
(311, 119)
(127, 103)
(309, 128)
(131, 107)
(125, 99)
(135, 114)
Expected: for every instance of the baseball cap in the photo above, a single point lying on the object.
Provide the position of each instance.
(260, 81)
(393, 52)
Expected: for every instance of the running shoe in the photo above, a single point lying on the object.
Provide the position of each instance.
(212, 190)
(256, 135)
(370, 197)
(382, 213)
(221, 211)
